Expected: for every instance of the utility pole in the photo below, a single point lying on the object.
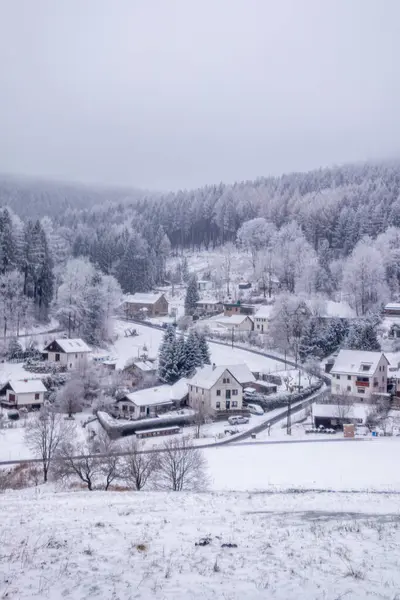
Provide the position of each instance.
(289, 416)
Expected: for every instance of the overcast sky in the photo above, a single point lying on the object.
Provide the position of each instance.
(167, 94)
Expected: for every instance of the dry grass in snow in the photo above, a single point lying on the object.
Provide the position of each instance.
(115, 546)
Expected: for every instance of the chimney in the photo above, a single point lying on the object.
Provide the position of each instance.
(213, 366)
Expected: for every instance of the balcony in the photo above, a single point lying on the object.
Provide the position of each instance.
(362, 383)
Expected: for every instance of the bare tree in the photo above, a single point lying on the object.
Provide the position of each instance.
(138, 467)
(343, 406)
(181, 466)
(78, 461)
(70, 397)
(312, 369)
(201, 416)
(110, 461)
(45, 433)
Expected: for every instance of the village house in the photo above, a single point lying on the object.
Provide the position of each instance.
(152, 305)
(71, 353)
(262, 317)
(359, 374)
(336, 415)
(236, 323)
(204, 285)
(26, 393)
(143, 371)
(145, 403)
(237, 308)
(209, 307)
(392, 309)
(218, 388)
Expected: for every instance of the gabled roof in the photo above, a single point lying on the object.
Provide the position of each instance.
(143, 298)
(233, 320)
(150, 396)
(264, 312)
(69, 346)
(145, 365)
(207, 376)
(393, 306)
(28, 386)
(350, 362)
(211, 301)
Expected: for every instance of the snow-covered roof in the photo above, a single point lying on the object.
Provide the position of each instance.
(393, 306)
(354, 411)
(28, 386)
(73, 345)
(145, 365)
(207, 376)
(151, 396)
(179, 390)
(264, 312)
(339, 309)
(142, 298)
(352, 361)
(233, 320)
(211, 301)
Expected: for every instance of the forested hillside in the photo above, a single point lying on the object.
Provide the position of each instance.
(326, 231)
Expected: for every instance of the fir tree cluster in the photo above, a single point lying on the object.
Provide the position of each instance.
(179, 356)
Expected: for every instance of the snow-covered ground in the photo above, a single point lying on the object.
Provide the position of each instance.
(109, 546)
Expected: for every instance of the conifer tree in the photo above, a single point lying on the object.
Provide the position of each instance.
(192, 295)
(204, 349)
(167, 357)
(193, 354)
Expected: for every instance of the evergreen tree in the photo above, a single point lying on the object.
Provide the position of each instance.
(7, 243)
(192, 295)
(181, 358)
(135, 271)
(311, 343)
(167, 357)
(362, 336)
(204, 349)
(194, 356)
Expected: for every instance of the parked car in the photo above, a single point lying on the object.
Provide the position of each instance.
(238, 420)
(255, 409)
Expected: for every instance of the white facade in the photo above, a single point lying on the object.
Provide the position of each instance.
(359, 374)
(261, 318)
(71, 353)
(237, 322)
(25, 393)
(223, 393)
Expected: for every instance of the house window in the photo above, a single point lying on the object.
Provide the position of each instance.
(349, 388)
(226, 380)
(191, 388)
(142, 409)
(228, 394)
(57, 358)
(234, 404)
(76, 356)
(361, 390)
(218, 392)
(202, 391)
(365, 367)
(218, 404)
(337, 376)
(37, 396)
(234, 392)
(197, 390)
(11, 397)
(348, 376)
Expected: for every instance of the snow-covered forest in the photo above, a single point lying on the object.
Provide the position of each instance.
(332, 232)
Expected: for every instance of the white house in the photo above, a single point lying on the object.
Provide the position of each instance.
(262, 317)
(211, 307)
(392, 309)
(28, 393)
(204, 285)
(72, 353)
(359, 374)
(152, 304)
(145, 403)
(236, 322)
(215, 389)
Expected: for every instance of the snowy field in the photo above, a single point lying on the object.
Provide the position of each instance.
(125, 348)
(123, 546)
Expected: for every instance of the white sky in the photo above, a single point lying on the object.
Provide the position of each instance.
(178, 93)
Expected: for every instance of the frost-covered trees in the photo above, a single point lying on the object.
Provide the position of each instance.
(296, 262)
(179, 357)
(289, 320)
(192, 295)
(255, 235)
(364, 278)
(87, 300)
(15, 308)
(136, 270)
(362, 335)
(38, 269)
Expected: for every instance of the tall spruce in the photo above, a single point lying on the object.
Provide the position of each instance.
(192, 295)
(167, 357)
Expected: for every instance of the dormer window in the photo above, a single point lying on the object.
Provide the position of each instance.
(365, 367)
